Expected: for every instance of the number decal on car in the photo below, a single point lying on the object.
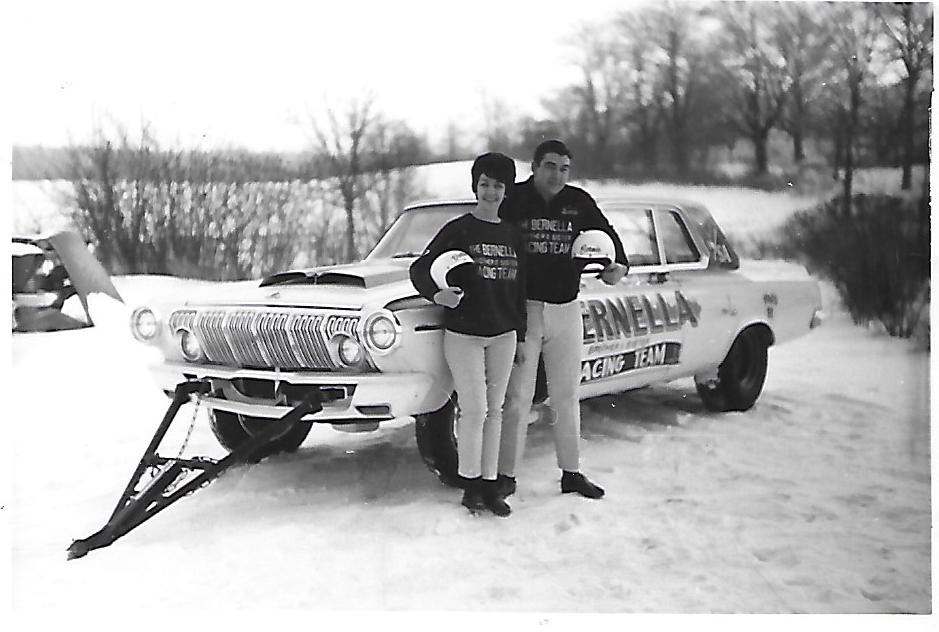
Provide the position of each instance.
(770, 301)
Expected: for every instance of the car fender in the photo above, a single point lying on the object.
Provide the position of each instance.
(85, 271)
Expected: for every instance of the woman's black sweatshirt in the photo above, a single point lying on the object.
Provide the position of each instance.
(493, 290)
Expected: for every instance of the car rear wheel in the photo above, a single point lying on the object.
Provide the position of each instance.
(740, 376)
(233, 429)
(437, 442)
(437, 438)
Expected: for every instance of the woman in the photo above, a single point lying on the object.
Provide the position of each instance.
(483, 320)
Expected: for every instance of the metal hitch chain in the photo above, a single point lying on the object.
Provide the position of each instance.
(192, 424)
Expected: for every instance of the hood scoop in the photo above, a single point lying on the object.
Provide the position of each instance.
(289, 278)
(354, 275)
(340, 278)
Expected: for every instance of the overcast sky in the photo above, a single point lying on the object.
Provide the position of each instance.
(237, 73)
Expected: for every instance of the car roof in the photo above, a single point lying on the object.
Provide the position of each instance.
(602, 201)
(611, 201)
(427, 203)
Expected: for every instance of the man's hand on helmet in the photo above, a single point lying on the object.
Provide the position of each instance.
(613, 273)
(449, 297)
(519, 354)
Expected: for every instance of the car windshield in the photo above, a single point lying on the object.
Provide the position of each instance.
(413, 230)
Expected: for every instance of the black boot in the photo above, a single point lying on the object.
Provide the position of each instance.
(473, 494)
(505, 485)
(577, 482)
(493, 500)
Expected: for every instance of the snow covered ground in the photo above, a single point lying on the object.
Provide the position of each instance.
(815, 501)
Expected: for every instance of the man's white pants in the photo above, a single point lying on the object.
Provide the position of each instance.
(556, 332)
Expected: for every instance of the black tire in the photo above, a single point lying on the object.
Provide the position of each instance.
(436, 441)
(436, 434)
(740, 376)
(233, 429)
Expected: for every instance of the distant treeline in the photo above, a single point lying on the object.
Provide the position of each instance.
(229, 165)
(664, 89)
(55, 163)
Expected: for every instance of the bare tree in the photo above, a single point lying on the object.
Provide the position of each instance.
(453, 148)
(600, 95)
(647, 72)
(643, 100)
(341, 146)
(855, 31)
(805, 44)
(326, 235)
(564, 109)
(499, 124)
(757, 71)
(394, 148)
(909, 27)
(110, 214)
(533, 131)
(674, 28)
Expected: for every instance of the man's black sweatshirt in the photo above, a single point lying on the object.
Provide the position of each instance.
(548, 230)
(494, 290)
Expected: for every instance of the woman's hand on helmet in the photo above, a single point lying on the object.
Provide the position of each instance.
(449, 297)
(613, 273)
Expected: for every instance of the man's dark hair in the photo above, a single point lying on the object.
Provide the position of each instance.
(494, 165)
(553, 146)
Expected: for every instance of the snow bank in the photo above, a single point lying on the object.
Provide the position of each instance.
(815, 501)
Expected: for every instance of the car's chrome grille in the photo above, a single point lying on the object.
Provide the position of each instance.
(264, 338)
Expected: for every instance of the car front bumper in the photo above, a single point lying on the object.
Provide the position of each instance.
(353, 398)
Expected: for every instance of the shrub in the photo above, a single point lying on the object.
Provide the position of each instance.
(175, 215)
(188, 213)
(875, 252)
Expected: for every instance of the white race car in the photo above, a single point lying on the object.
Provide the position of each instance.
(371, 347)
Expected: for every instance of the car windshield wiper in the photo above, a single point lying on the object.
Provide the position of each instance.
(403, 255)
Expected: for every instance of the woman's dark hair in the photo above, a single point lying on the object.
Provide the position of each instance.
(494, 165)
(553, 146)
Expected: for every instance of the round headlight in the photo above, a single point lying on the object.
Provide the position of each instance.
(381, 332)
(350, 351)
(190, 346)
(144, 324)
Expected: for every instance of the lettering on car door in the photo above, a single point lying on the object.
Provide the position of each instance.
(635, 331)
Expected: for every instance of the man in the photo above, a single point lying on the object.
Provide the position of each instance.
(550, 214)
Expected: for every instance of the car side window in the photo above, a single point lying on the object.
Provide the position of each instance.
(637, 232)
(679, 248)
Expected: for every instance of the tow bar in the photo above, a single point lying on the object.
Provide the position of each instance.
(175, 475)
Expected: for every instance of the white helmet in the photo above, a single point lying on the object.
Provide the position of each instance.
(593, 247)
(445, 263)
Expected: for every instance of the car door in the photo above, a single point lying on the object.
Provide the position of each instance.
(698, 286)
(632, 332)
